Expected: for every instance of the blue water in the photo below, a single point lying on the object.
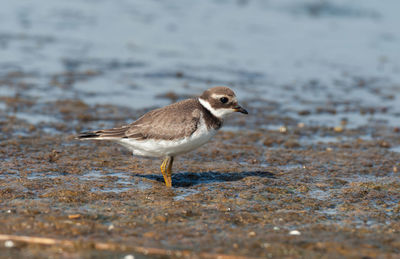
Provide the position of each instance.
(302, 54)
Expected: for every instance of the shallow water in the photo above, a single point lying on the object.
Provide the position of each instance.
(248, 46)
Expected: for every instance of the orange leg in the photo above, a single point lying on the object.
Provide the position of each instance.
(169, 170)
(166, 170)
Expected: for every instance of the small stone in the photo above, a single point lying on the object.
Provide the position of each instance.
(283, 129)
(384, 144)
(253, 161)
(266, 245)
(329, 149)
(276, 228)
(338, 129)
(110, 227)
(9, 244)
(294, 233)
(252, 234)
(129, 257)
(301, 125)
(395, 170)
(74, 216)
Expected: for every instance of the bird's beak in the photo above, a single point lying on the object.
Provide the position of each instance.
(238, 108)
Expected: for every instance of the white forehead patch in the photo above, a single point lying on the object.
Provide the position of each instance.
(219, 113)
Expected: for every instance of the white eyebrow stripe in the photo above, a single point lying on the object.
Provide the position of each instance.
(217, 96)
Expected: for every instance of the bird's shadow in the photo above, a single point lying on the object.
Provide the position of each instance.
(188, 179)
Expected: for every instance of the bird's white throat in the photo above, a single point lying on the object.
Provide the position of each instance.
(219, 113)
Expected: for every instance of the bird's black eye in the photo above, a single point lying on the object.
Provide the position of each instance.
(224, 100)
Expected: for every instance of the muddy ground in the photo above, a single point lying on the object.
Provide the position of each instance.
(291, 190)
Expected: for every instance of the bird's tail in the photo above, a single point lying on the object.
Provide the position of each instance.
(88, 135)
(115, 133)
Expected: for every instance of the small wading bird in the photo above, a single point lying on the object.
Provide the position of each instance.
(174, 129)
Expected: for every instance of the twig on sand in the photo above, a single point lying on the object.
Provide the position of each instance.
(37, 240)
(113, 246)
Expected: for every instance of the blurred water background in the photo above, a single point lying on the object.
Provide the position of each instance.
(302, 53)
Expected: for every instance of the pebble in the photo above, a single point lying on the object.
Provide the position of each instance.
(129, 257)
(266, 245)
(74, 216)
(294, 233)
(338, 129)
(384, 144)
(9, 244)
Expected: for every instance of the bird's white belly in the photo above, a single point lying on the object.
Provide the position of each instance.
(159, 148)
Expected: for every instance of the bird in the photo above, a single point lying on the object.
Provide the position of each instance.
(174, 129)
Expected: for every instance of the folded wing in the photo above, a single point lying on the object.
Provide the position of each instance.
(178, 120)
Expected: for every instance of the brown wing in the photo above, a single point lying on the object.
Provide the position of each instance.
(176, 120)
(173, 121)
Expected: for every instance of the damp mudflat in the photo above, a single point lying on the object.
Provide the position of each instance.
(253, 192)
(311, 172)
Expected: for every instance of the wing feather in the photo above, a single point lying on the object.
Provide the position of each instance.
(173, 121)
(166, 123)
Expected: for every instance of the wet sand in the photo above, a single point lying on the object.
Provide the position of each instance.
(293, 191)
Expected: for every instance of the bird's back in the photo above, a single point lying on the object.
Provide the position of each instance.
(174, 121)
